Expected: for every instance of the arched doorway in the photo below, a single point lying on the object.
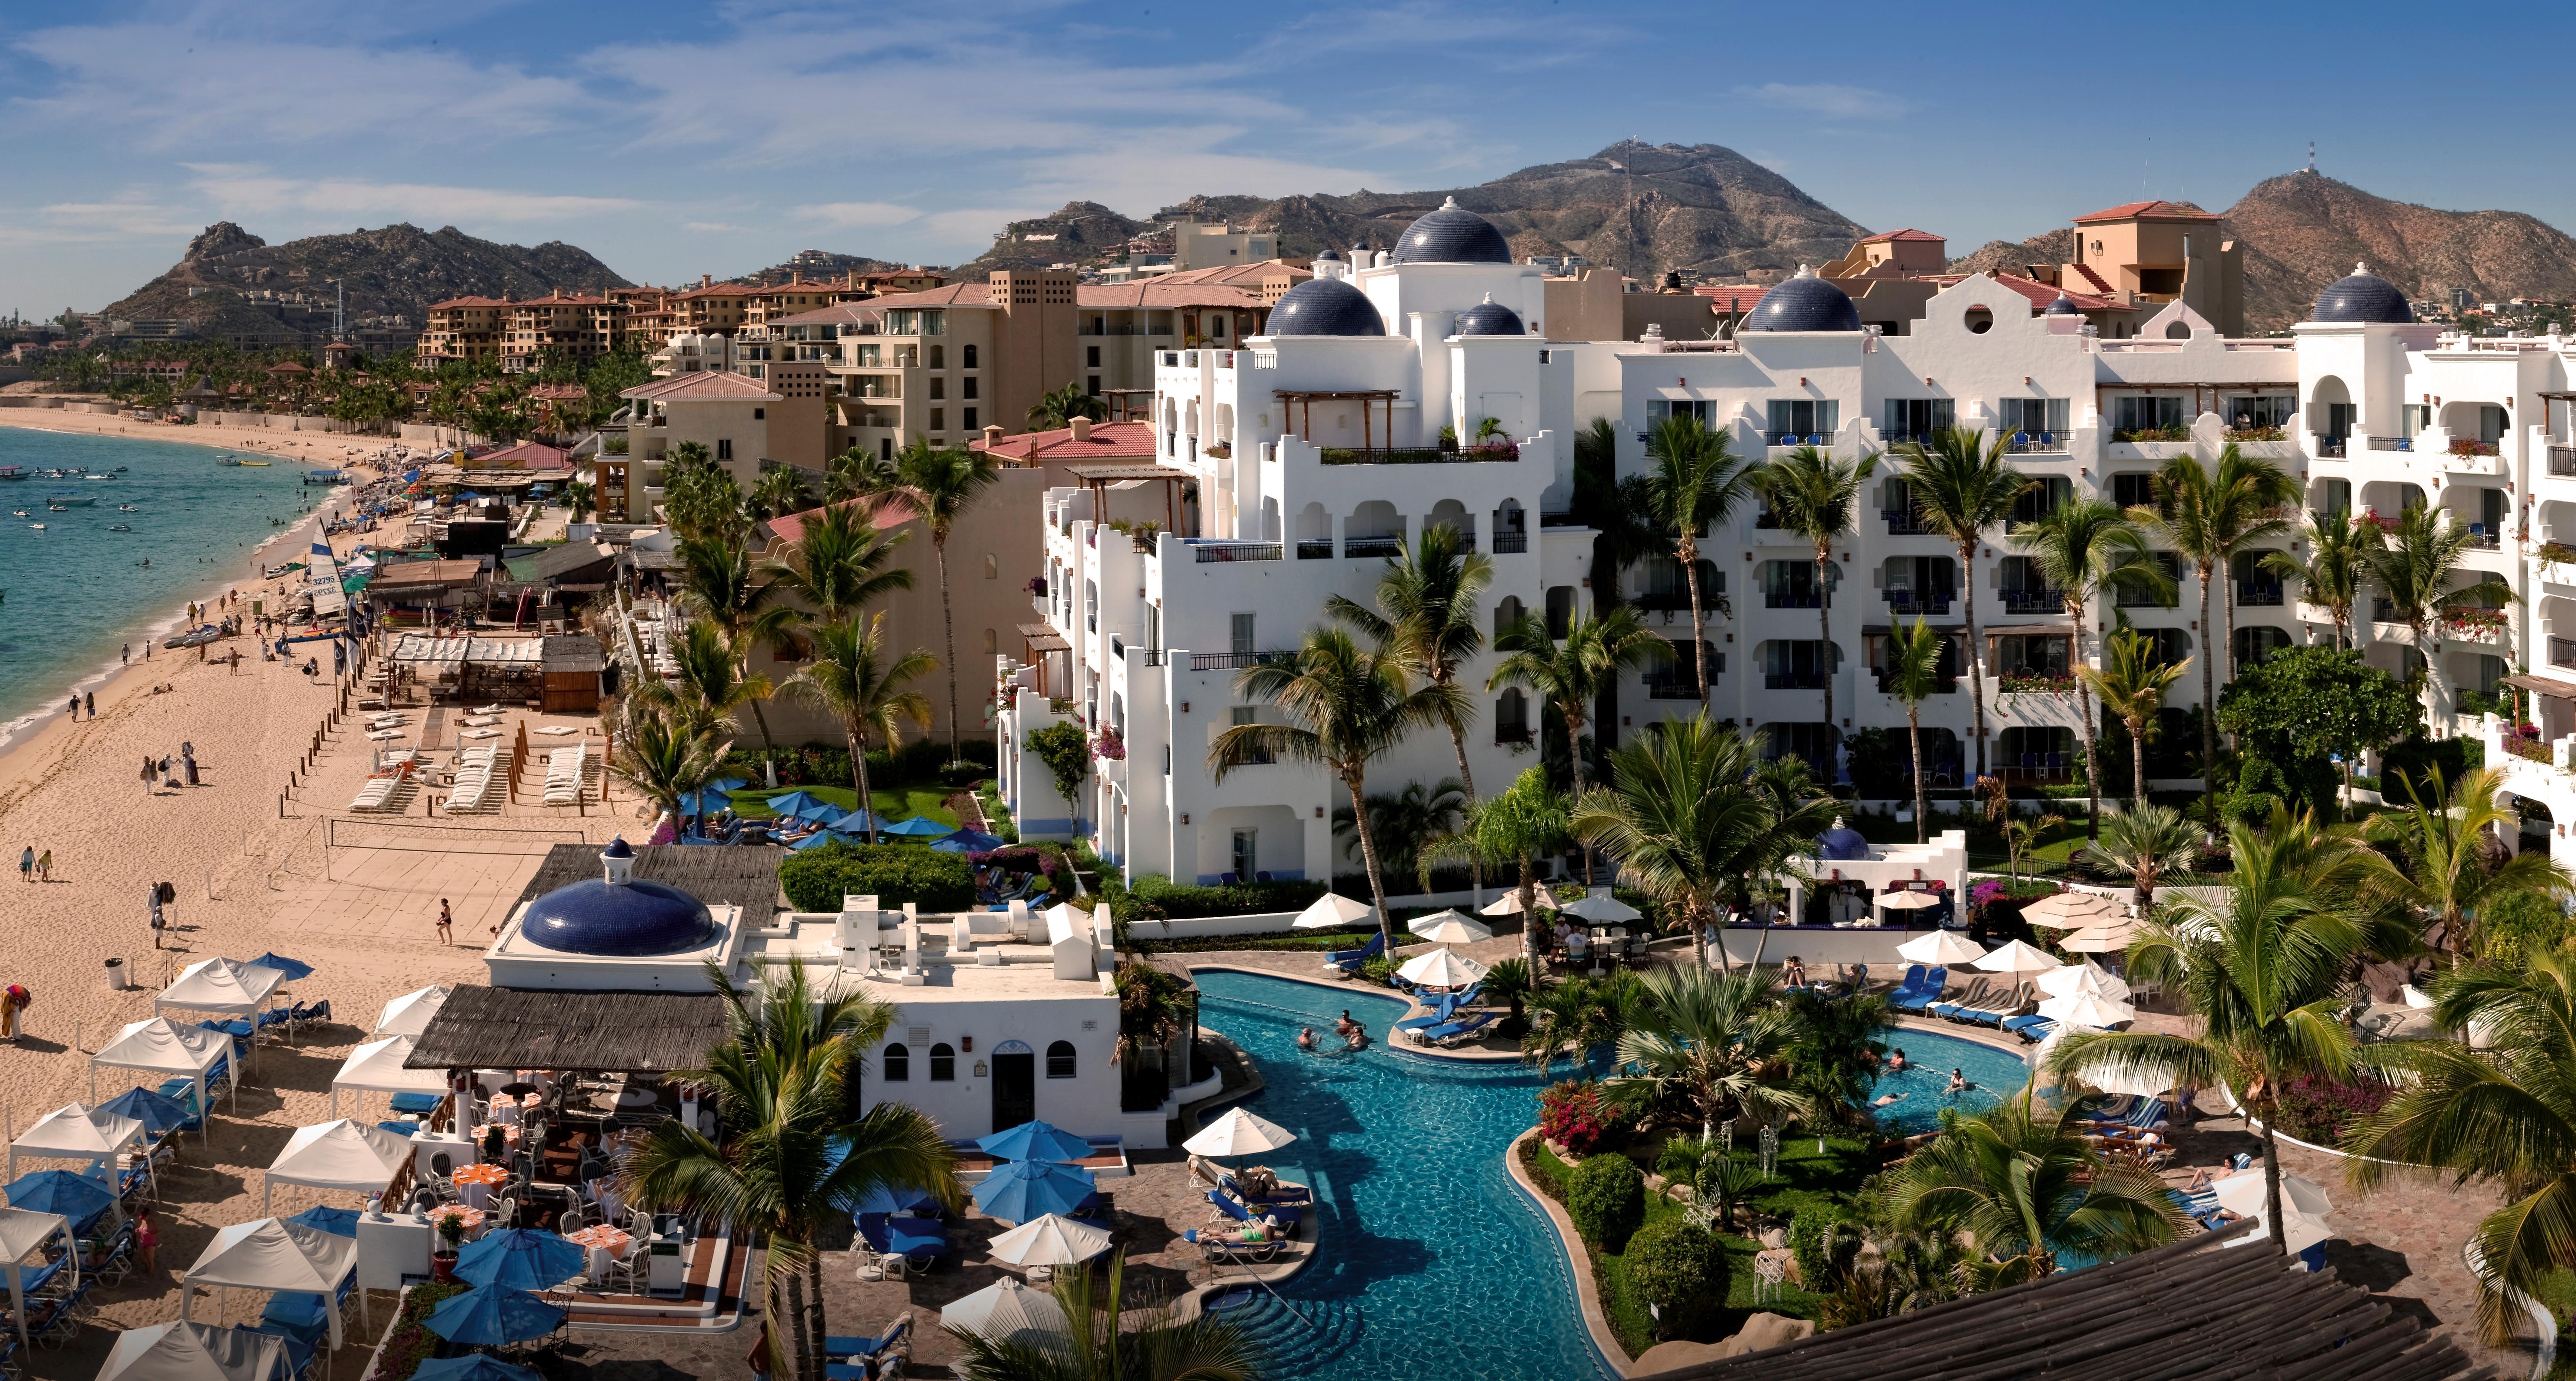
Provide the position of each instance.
(1015, 1084)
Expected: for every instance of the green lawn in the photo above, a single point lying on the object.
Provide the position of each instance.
(895, 803)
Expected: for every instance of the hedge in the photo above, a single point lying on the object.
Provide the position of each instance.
(1606, 1198)
(1678, 1266)
(1807, 1229)
(827, 764)
(818, 878)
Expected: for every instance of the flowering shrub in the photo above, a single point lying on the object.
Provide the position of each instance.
(2153, 434)
(1981, 893)
(2320, 1111)
(2462, 619)
(2471, 446)
(2369, 518)
(2529, 748)
(2257, 434)
(1037, 585)
(1570, 1114)
(411, 1343)
(2034, 683)
(1109, 746)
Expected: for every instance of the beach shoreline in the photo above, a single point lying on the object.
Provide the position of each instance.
(329, 450)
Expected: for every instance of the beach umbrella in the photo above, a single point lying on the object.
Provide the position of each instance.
(2070, 910)
(2086, 977)
(1602, 907)
(920, 827)
(1053, 1240)
(1941, 947)
(728, 785)
(821, 837)
(76, 1197)
(2109, 938)
(1450, 928)
(1034, 1141)
(1908, 901)
(473, 1366)
(2015, 957)
(796, 803)
(1509, 903)
(1441, 968)
(520, 1259)
(157, 1112)
(882, 1199)
(2299, 1231)
(2087, 1009)
(1331, 912)
(1238, 1133)
(491, 1315)
(340, 1222)
(1020, 1190)
(966, 841)
(1004, 1308)
(2242, 1193)
(296, 970)
(2126, 1082)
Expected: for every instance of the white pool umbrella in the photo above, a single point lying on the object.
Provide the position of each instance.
(1053, 1240)
(2070, 910)
(1602, 907)
(2242, 1193)
(2015, 957)
(2110, 937)
(1509, 903)
(1003, 1308)
(2085, 1009)
(2300, 1231)
(1331, 912)
(1450, 928)
(1441, 968)
(1908, 901)
(1238, 1133)
(2086, 977)
(1941, 947)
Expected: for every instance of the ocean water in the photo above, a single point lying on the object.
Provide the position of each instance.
(76, 591)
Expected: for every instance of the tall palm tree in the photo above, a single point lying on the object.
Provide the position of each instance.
(1962, 485)
(1571, 675)
(943, 482)
(1577, 1014)
(2131, 684)
(2413, 573)
(2084, 549)
(1693, 482)
(792, 1151)
(2024, 1186)
(1094, 1345)
(1344, 708)
(2443, 870)
(838, 565)
(1834, 1048)
(780, 491)
(856, 473)
(2338, 562)
(663, 756)
(1405, 822)
(1614, 509)
(2252, 501)
(2263, 965)
(1426, 618)
(2504, 1114)
(1814, 496)
(1914, 673)
(720, 581)
(1720, 1042)
(1515, 829)
(2144, 844)
(2204, 515)
(851, 678)
(711, 682)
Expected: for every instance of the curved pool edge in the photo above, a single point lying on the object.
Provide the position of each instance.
(1481, 1057)
(1587, 1297)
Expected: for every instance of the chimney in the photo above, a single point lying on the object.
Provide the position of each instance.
(706, 280)
(992, 436)
(1082, 429)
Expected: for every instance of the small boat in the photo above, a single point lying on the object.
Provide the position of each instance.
(74, 497)
(250, 462)
(198, 636)
(127, 508)
(119, 527)
(57, 508)
(14, 472)
(117, 471)
(228, 460)
(37, 526)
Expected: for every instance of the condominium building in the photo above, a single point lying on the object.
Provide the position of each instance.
(518, 332)
(1121, 327)
(940, 364)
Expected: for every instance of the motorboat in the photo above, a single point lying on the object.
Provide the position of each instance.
(128, 508)
(72, 497)
(198, 636)
(37, 526)
(119, 527)
(14, 472)
(58, 508)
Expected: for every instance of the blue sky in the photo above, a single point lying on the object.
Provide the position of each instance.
(679, 139)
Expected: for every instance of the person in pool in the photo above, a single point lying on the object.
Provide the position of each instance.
(1358, 1037)
(1306, 1038)
(1959, 1082)
(1896, 1062)
(1343, 1025)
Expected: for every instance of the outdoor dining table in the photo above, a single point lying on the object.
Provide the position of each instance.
(474, 1183)
(605, 1242)
(470, 1217)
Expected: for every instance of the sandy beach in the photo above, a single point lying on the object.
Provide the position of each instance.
(317, 448)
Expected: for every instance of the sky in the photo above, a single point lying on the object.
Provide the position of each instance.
(674, 139)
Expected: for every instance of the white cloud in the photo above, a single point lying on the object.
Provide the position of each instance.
(1822, 98)
(243, 191)
(847, 215)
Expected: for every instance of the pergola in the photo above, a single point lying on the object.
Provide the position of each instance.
(1100, 477)
(1367, 398)
(1039, 641)
(1118, 399)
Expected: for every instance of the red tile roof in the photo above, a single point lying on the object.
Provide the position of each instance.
(470, 302)
(2155, 210)
(1738, 297)
(953, 295)
(1109, 441)
(1908, 234)
(529, 455)
(710, 386)
(1162, 292)
(837, 314)
(883, 510)
(1235, 274)
(2040, 294)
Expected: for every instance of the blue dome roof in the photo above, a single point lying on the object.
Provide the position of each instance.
(1803, 303)
(1841, 844)
(2063, 306)
(618, 848)
(2362, 296)
(1453, 235)
(1490, 318)
(1325, 307)
(620, 920)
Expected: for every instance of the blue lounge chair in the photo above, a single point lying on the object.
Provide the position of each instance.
(1289, 1217)
(422, 1103)
(857, 1352)
(1420, 1023)
(1912, 980)
(1349, 960)
(1459, 1032)
(1295, 1196)
(1918, 996)
(2033, 1028)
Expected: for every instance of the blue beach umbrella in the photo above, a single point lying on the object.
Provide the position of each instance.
(76, 1197)
(1034, 1141)
(296, 970)
(339, 1222)
(1023, 1190)
(968, 842)
(490, 1315)
(728, 784)
(796, 803)
(825, 814)
(473, 1366)
(157, 1112)
(920, 827)
(819, 838)
(520, 1259)
(890, 1201)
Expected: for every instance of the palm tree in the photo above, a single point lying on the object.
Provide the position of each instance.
(943, 482)
(2338, 562)
(2413, 573)
(2025, 1188)
(1426, 617)
(1718, 1042)
(851, 679)
(1095, 1346)
(1058, 408)
(2143, 844)
(1525, 823)
(719, 581)
(1961, 486)
(663, 756)
(2504, 1114)
(2252, 501)
(855, 474)
(577, 496)
(1572, 674)
(1614, 509)
(2263, 965)
(1834, 1050)
(1914, 672)
(2131, 683)
(2444, 843)
(838, 565)
(793, 1152)
(1682, 818)
(1693, 482)
(2083, 549)
(2204, 516)
(1577, 1014)
(1814, 496)
(1344, 709)
(711, 683)
(1405, 822)
(780, 491)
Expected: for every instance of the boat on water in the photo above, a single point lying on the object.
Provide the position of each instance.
(250, 462)
(57, 508)
(37, 526)
(128, 508)
(119, 527)
(73, 497)
(14, 472)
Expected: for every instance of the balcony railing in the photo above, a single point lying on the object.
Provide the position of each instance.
(2562, 460)
(2261, 594)
(2044, 444)
(2562, 652)
(1904, 522)
(1235, 661)
(1672, 685)
(1510, 543)
(1358, 547)
(2392, 443)
(1917, 601)
(1786, 599)
(2129, 597)
(1794, 680)
(1511, 734)
(2482, 537)
(2330, 447)
(1675, 599)
(1314, 548)
(2022, 599)
(1795, 438)
(1237, 551)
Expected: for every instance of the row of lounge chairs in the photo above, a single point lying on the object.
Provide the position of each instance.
(475, 770)
(1447, 1033)
(382, 787)
(564, 774)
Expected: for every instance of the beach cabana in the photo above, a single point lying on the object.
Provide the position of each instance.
(278, 1256)
(337, 1155)
(159, 1113)
(72, 1132)
(227, 987)
(23, 1233)
(409, 1014)
(162, 1046)
(184, 1351)
(377, 1067)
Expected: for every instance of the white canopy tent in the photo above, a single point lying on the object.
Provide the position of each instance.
(22, 1233)
(273, 1254)
(377, 1066)
(183, 1351)
(409, 1014)
(227, 986)
(337, 1155)
(1332, 911)
(163, 1046)
(72, 1132)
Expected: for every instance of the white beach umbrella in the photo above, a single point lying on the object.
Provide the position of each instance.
(2070, 910)
(2300, 1230)
(1907, 901)
(1003, 1308)
(1941, 947)
(1332, 912)
(1602, 907)
(1441, 968)
(2013, 956)
(2085, 1009)
(409, 1014)
(1509, 903)
(1238, 1133)
(1053, 1240)
(2242, 1193)
(1450, 928)
(2086, 977)
(2110, 937)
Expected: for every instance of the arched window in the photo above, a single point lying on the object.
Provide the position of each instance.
(898, 1063)
(1060, 1063)
(943, 1064)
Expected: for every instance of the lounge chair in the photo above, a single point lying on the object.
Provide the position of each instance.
(1218, 1249)
(1350, 960)
(1914, 996)
(1458, 1032)
(857, 1352)
(2033, 1028)
(422, 1104)
(1228, 1206)
(1912, 980)
(1413, 1024)
(1976, 993)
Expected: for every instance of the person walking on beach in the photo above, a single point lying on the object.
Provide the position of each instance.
(75, 705)
(89, 703)
(13, 1000)
(125, 655)
(158, 922)
(148, 774)
(45, 866)
(446, 923)
(27, 864)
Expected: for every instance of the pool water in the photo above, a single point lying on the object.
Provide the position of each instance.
(1923, 1085)
(1432, 1262)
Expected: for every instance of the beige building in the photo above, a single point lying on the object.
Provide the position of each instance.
(945, 363)
(575, 325)
(725, 412)
(1119, 327)
(464, 328)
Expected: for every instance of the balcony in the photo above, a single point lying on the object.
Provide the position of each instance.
(1793, 680)
(1209, 552)
(1904, 522)
(1314, 548)
(2258, 594)
(2023, 599)
(1943, 685)
(2562, 461)
(1422, 455)
(2562, 652)
(1672, 685)
(1785, 599)
(1236, 661)
(2044, 444)
(1917, 601)
(1358, 548)
(2128, 597)
(1510, 543)
(2391, 443)
(2484, 538)
(2329, 447)
(1795, 439)
(1669, 601)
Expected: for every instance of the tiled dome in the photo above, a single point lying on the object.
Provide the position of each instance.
(1325, 307)
(2361, 296)
(1490, 318)
(617, 916)
(1453, 235)
(1803, 303)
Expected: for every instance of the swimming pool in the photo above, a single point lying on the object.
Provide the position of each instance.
(1432, 1261)
(1923, 1086)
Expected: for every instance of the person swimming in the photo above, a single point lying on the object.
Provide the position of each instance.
(1358, 1037)
(1896, 1061)
(1306, 1038)
(1959, 1082)
(1343, 1025)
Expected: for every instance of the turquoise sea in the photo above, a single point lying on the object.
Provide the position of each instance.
(76, 591)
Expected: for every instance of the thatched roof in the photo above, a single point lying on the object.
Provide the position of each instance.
(744, 876)
(2195, 1308)
(600, 1033)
